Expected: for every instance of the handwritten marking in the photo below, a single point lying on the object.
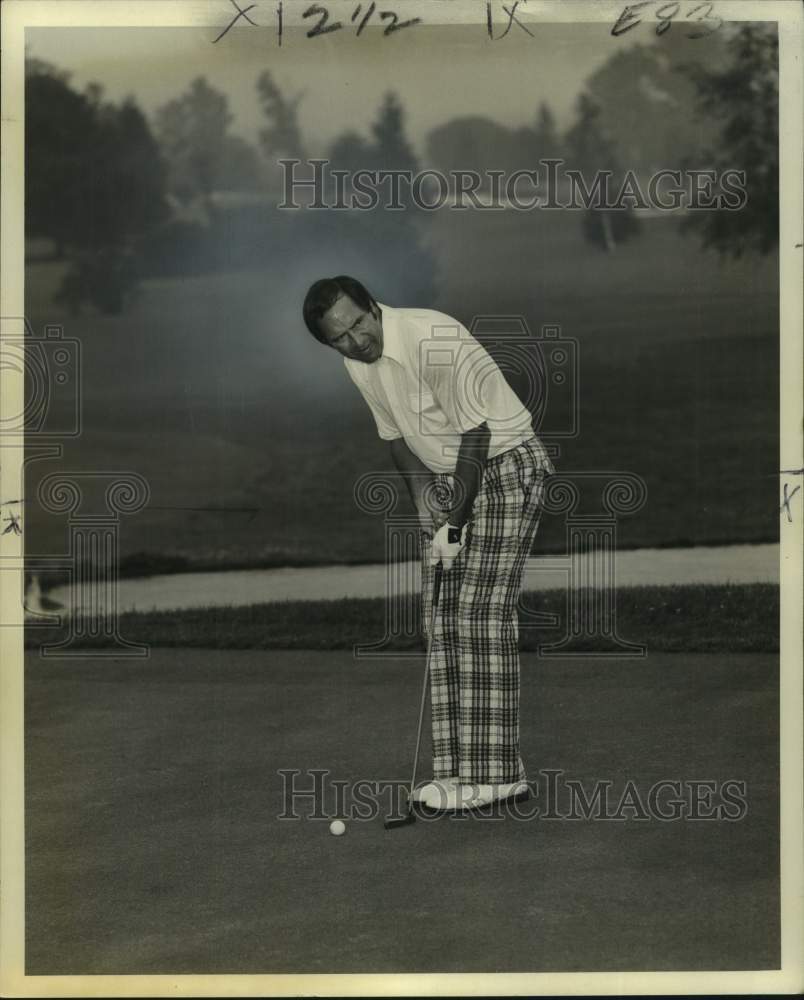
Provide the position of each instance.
(629, 11)
(786, 502)
(511, 12)
(322, 28)
(396, 24)
(240, 13)
(704, 18)
(13, 526)
(665, 20)
(665, 14)
(366, 17)
(324, 25)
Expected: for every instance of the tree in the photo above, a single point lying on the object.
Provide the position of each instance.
(481, 145)
(744, 98)
(281, 137)
(591, 151)
(127, 174)
(60, 131)
(350, 151)
(41, 67)
(589, 145)
(377, 243)
(647, 102)
(546, 140)
(240, 167)
(94, 175)
(387, 149)
(95, 182)
(392, 150)
(202, 155)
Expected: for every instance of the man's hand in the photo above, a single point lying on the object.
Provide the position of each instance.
(447, 544)
(430, 521)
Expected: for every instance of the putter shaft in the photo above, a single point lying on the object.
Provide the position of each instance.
(409, 816)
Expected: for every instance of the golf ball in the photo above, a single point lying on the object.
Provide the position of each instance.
(337, 827)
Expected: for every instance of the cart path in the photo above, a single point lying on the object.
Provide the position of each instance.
(737, 564)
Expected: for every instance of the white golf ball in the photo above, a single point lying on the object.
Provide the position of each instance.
(337, 828)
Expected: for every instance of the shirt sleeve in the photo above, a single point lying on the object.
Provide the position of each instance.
(386, 425)
(465, 379)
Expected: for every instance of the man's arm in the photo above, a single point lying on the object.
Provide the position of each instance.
(472, 455)
(417, 479)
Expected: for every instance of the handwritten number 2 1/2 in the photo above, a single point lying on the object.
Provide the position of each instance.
(323, 28)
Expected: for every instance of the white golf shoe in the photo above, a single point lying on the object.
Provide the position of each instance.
(434, 793)
(464, 798)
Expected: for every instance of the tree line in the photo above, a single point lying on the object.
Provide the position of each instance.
(102, 181)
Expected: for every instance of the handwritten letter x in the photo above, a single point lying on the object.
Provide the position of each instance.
(240, 13)
(511, 12)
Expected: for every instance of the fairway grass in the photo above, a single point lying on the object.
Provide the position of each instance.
(252, 438)
(717, 618)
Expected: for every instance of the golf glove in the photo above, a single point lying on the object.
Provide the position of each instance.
(447, 543)
(430, 523)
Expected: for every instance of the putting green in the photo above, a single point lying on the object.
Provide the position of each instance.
(153, 843)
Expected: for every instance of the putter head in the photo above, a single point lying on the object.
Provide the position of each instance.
(394, 822)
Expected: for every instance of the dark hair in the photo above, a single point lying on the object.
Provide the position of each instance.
(322, 295)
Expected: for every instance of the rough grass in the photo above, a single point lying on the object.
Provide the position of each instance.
(707, 619)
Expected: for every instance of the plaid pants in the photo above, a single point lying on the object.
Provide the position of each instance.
(474, 669)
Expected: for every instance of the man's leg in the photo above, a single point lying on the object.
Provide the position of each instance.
(505, 519)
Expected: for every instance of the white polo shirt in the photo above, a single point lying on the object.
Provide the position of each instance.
(435, 381)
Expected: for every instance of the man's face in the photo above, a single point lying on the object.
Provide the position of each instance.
(353, 332)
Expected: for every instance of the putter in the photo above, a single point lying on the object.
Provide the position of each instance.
(409, 817)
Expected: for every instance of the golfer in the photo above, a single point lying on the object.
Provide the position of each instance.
(464, 443)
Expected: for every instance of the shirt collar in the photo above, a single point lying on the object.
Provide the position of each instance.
(392, 346)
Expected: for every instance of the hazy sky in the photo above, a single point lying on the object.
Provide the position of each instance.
(439, 72)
